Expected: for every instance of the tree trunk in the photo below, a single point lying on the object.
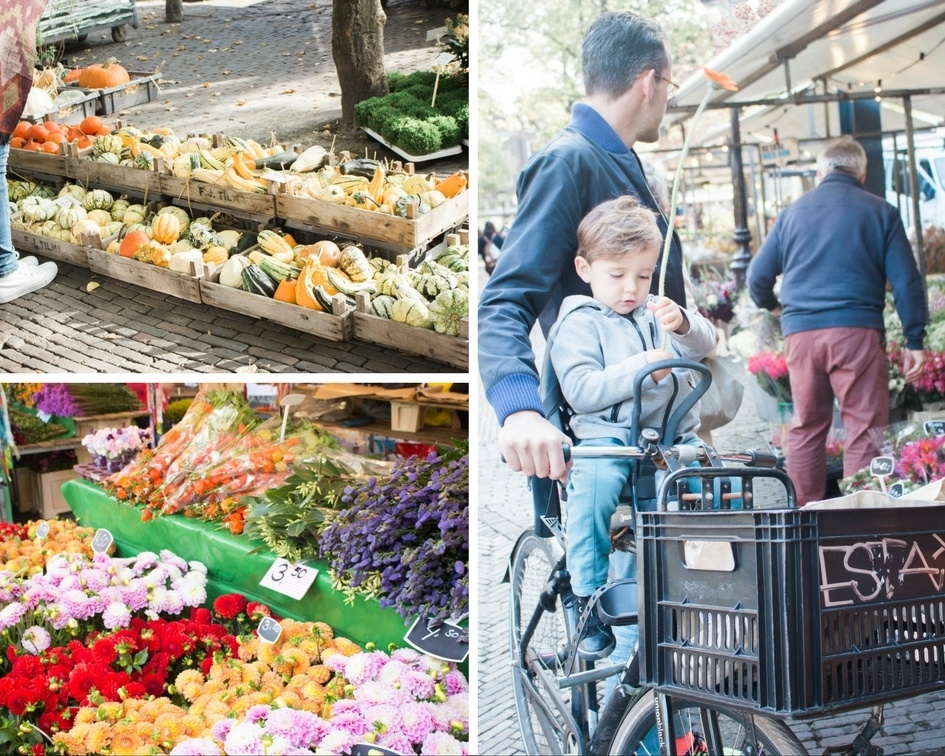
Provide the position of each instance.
(357, 46)
(174, 11)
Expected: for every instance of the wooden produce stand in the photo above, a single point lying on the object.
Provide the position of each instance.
(413, 238)
(408, 407)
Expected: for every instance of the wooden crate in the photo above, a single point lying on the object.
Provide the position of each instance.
(42, 492)
(197, 195)
(371, 227)
(90, 173)
(450, 350)
(74, 254)
(333, 327)
(38, 164)
(180, 285)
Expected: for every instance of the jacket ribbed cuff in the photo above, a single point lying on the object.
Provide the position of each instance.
(515, 393)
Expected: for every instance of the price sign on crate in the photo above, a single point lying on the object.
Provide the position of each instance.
(935, 427)
(101, 541)
(292, 580)
(444, 640)
(882, 468)
(896, 490)
(42, 530)
(269, 630)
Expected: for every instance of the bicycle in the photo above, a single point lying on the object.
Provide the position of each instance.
(703, 701)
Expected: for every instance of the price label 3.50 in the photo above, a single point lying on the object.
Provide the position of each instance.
(292, 580)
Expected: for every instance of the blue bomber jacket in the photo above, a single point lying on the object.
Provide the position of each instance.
(586, 164)
(835, 248)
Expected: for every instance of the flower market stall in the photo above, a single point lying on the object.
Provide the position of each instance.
(233, 584)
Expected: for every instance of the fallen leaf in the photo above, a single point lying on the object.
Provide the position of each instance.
(92, 286)
(288, 91)
(141, 57)
(206, 85)
(225, 73)
(247, 369)
(238, 42)
(241, 102)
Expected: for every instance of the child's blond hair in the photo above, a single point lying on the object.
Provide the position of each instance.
(616, 227)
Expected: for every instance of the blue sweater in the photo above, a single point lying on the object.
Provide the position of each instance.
(586, 164)
(835, 248)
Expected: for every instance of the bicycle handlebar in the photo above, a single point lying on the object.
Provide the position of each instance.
(684, 453)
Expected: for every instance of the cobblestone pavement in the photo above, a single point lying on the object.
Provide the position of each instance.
(248, 68)
(912, 727)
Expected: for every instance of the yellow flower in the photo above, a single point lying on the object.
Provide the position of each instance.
(126, 743)
(97, 737)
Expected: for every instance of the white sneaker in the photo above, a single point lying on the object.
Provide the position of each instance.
(26, 278)
(31, 260)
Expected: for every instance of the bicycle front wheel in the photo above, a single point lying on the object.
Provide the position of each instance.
(543, 711)
(697, 728)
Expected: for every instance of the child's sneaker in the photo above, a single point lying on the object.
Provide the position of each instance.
(26, 278)
(598, 639)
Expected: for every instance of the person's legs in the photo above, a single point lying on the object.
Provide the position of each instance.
(16, 277)
(813, 413)
(7, 253)
(593, 492)
(859, 375)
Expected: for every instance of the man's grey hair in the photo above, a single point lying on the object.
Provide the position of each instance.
(618, 47)
(845, 155)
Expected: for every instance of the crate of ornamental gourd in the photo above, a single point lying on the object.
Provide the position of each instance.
(372, 202)
(124, 159)
(422, 310)
(44, 219)
(306, 287)
(221, 173)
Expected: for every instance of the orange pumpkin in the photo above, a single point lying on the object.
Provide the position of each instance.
(104, 75)
(72, 75)
(286, 291)
(132, 242)
(91, 125)
(325, 252)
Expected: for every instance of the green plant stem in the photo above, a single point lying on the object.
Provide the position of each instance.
(674, 195)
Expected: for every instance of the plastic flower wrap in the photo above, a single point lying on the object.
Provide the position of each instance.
(139, 479)
(715, 299)
(258, 462)
(771, 371)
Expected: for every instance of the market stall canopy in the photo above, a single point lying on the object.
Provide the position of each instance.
(808, 51)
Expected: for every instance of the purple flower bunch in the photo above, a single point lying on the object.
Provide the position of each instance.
(407, 702)
(77, 594)
(55, 399)
(715, 299)
(405, 539)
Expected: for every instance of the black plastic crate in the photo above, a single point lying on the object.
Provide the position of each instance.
(814, 610)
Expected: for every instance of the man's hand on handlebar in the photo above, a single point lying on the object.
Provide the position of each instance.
(532, 445)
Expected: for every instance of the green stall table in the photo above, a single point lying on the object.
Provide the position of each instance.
(231, 568)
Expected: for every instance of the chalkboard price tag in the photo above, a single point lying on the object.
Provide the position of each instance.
(934, 427)
(269, 630)
(368, 749)
(444, 641)
(42, 530)
(101, 541)
(292, 580)
(882, 467)
(896, 490)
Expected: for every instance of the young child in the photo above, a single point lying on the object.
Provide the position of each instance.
(597, 346)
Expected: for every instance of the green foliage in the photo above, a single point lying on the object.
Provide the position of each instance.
(406, 118)
(175, 411)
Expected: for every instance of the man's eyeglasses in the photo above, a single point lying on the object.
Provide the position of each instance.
(671, 86)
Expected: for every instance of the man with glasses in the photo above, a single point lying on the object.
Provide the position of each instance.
(627, 76)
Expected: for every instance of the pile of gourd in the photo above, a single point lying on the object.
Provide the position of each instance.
(434, 295)
(167, 237)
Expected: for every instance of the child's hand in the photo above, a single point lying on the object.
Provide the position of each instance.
(655, 355)
(669, 315)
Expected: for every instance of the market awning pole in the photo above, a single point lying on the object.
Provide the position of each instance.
(914, 184)
(742, 235)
